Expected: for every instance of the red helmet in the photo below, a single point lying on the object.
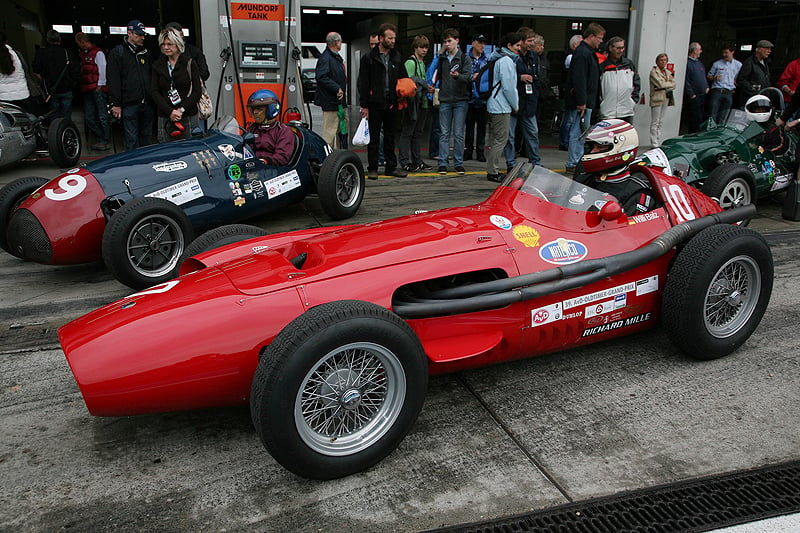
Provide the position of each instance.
(610, 143)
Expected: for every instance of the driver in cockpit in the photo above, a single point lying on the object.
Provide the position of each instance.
(274, 141)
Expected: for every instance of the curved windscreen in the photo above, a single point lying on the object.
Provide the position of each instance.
(227, 124)
(547, 185)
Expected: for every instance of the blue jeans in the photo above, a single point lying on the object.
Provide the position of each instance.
(566, 124)
(137, 123)
(530, 133)
(575, 151)
(62, 104)
(719, 105)
(95, 111)
(452, 119)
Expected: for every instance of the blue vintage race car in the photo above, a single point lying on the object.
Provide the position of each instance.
(139, 210)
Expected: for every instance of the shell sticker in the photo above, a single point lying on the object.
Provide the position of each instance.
(527, 236)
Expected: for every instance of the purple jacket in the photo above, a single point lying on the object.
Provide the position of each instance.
(273, 144)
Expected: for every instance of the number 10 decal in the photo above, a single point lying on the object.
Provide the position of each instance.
(71, 184)
(677, 200)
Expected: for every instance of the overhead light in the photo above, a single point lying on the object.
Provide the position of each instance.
(487, 16)
(746, 48)
(465, 16)
(311, 11)
(426, 14)
(447, 14)
(335, 12)
(62, 28)
(151, 30)
(91, 29)
(118, 30)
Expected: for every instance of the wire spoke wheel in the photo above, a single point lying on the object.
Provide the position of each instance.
(350, 399)
(732, 296)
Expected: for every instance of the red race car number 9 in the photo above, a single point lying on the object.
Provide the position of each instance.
(71, 185)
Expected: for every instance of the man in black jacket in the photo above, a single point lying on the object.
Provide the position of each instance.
(528, 90)
(377, 94)
(331, 88)
(60, 69)
(128, 72)
(582, 82)
(754, 74)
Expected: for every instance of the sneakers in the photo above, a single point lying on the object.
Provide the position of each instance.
(423, 167)
(460, 170)
(409, 167)
(442, 170)
(372, 174)
(397, 173)
(497, 178)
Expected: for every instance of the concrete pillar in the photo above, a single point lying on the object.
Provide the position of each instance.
(659, 26)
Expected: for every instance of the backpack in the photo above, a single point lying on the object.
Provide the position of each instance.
(485, 84)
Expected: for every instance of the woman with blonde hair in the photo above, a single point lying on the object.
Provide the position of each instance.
(662, 85)
(175, 87)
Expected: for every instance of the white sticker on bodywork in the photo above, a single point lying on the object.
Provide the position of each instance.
(781, 182)
(170, 166)
(180, 193)
(646, 286)
(599, 295)
(658, 158)
(546, 314)
(282, 184)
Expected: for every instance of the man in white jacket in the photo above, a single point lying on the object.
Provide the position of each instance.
(503, 100)
(619, 83)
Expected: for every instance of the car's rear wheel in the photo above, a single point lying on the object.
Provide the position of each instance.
(221, 236)
(11, 196)
(63, 142)
(717, 291)
(731, 185)
(338, 389)
(341, 184)
(144, 240)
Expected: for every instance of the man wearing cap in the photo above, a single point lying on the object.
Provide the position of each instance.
(477, 117)
(754, 74)
(128, 73)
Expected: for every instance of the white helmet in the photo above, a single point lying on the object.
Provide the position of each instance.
(609, 144)
(758, 108)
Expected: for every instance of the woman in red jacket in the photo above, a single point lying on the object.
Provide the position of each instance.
(175, 88)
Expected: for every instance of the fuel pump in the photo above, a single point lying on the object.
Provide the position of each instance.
(259, 51)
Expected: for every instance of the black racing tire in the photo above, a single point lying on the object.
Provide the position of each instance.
(218, 237)
(717, 291)
(313, 374)
(63, 142)
(341, 184)
(144, 241)
(731, 185)
(11, 196)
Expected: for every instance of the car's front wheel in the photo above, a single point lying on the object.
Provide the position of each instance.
(11, 196)
(341, 184)
(730, 185)
(717, 291)
(338, 389)
(63, 142)
(144, 240)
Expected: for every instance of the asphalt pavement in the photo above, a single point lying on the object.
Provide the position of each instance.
(498, 441)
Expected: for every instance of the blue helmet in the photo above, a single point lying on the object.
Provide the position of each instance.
(268, 99)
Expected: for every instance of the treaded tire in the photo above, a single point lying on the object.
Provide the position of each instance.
(350, 363)
(341, 184)
(221, 236)
(717, 291)
(144, 240)
(731, 185)
(11, 196)
(63, 143)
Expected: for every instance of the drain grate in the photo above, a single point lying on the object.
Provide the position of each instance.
(685, 507)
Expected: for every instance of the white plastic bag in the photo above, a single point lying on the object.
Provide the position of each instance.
(361, 137)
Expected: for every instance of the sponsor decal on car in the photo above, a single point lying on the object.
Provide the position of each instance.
(73, 170)
(643, 217)
(781, 182)
(228, 151)
(246, 152)
(563, 251)
(586, 299)
(282, 184)
(234, 172)
(170, 166)
(646, 286)
(546, 314)
(608, 306)
(181, 192)
(622, 323)
(526, 235)
(239, 201)
(500, 221)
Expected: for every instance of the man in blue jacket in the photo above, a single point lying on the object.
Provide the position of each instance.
(331, 87)
(503, 101)
(695, 88)
(582, 83)
(476, 111)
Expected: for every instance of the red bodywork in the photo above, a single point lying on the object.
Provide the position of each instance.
(68, 210)
(194, 342)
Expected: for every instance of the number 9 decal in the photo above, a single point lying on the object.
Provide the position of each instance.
(72, 185)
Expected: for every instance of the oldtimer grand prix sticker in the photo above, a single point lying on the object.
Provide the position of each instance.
(282, 184)
(180, 193)
(563, 251)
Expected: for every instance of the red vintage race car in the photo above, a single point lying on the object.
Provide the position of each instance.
(330, 334)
